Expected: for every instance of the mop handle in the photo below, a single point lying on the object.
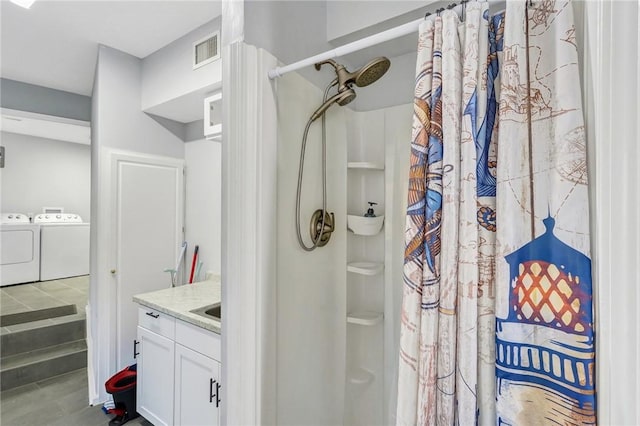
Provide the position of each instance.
(193, 264)
(180, 256)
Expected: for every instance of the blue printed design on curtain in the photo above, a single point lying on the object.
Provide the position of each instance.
(434, 182)
(482, 135)
(550, 290)
(486, 180)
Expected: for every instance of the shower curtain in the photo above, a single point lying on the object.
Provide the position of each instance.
(496, 322)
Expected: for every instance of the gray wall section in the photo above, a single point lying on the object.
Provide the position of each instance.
(194, 131)
(290, 31)
(171, 125)
(122, 124)
(43, 100)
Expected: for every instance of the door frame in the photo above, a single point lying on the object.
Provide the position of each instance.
(102, 336)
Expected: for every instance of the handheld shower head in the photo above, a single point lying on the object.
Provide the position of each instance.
(341, 98)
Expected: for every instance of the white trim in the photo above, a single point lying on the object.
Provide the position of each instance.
(612, 39)
(249, 178)
(212, 131)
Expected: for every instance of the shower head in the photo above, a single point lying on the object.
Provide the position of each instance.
(341, 98)
(366, 75)
(371, 72)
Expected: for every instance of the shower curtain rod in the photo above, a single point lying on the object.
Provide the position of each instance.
(363, 43)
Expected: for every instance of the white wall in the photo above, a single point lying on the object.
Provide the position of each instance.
(44, 172)
(203, 202)
(311, 298)
(347, 17)
(117, 123)
(290, 31)
(168, 73)
(122, 124)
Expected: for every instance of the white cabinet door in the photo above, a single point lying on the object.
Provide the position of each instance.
(155, 377)
(197, 395)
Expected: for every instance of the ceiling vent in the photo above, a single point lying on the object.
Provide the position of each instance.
(206, 50)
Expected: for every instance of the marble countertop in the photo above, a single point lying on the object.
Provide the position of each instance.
(179, 301)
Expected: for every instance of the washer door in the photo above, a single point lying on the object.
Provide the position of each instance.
(19, 254)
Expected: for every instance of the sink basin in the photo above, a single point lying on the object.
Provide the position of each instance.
(210, 311)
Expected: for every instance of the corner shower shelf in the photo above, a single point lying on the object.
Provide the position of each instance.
(365, 165)
(366, 268)
(361, 225)
(360, 376)
(365, 318)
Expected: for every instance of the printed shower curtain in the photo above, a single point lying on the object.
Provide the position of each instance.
(496, 324)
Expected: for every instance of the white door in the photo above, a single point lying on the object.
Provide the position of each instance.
(154, 387)
(197, 388)
(147, 205)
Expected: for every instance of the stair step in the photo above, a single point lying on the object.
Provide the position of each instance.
(37, 315)
(41, 334)
(40, 364)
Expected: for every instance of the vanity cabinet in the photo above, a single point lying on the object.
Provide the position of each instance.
(154, 396)
(197, 388)
(178, 371)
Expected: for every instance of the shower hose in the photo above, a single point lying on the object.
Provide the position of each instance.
(316, 240)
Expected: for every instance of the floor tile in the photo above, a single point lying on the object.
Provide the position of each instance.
(50, 285)
(28, 325)
(18, 291)
(65, 383)
(13, 308)
(88, 416)
(43, 302)
(23, 395)
(40, 413)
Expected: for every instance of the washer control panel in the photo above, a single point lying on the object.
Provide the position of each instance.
(57, 218)
(15, 218)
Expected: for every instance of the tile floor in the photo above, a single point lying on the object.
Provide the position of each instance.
(44, 294)
(58, 401)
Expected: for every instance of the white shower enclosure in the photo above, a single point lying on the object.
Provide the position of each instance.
(290, 356)
(337, 320)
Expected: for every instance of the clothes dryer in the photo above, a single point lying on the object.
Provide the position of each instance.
(19, 249)
(64, 245)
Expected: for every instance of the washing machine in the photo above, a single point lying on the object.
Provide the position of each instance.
(19, 249)
(64, 245)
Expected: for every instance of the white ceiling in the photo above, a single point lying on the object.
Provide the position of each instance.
(54, 44)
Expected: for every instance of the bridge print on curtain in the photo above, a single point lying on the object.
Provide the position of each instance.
(496, 323)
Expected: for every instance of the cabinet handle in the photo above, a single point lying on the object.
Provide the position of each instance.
(151, 314)
(135, 352)
(217, 394)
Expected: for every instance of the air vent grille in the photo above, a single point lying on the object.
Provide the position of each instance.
(206, 50)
